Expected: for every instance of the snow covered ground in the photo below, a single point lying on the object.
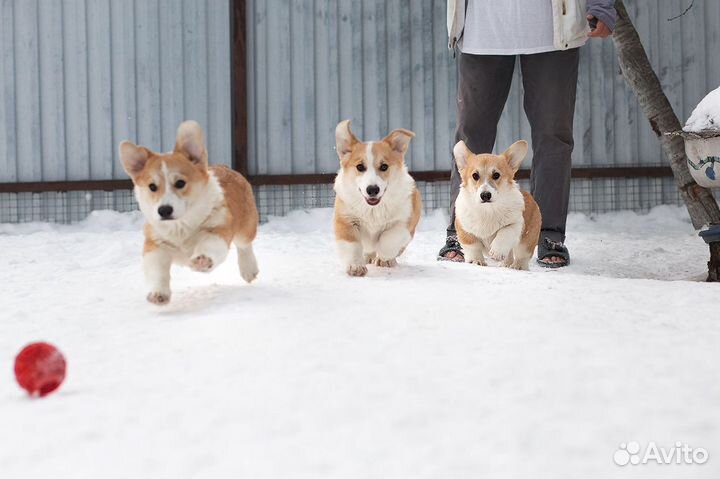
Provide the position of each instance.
(428, 370)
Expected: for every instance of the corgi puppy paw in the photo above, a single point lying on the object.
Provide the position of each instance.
(386, 263)
(202, 263)
(159, 297)
(357, 270)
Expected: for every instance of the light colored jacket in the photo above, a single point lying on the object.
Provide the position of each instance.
(570, 25)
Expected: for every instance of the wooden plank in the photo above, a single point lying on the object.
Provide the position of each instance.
(427, 147)
(278, 86)
(394, 54)
(370, 72)
(303, 86)
(442, 109)
(259, 162)
(171, 75)
(324, 150)
(147, 74)
(123, 77)
(318, 178)
(195, 70)
(218, 128)
(417, 84)
(27, 91)
(357, 73)
(52, 104)
(694, 58)
(381, 62)
(8, 120)
(241, 90)
(77, 129)
(99, 90)
(243, 84)
(345, 60)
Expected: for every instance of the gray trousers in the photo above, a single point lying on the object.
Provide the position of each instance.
(549, 84)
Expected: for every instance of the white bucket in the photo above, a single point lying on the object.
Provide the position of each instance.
(704, 160)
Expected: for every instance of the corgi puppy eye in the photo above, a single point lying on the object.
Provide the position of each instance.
(360, 167)
(153, 187)
(496, 176)
(476, 176)
(384, 167)
(179, 184)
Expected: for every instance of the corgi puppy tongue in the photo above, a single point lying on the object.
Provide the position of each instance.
(369, 168)
(377, 205)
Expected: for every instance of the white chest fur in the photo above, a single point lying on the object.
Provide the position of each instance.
(395, 207)
(483, 220)
(182, 236)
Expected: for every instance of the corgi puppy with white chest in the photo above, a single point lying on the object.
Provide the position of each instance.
(193, 212)
(492, 216)
(377, 205)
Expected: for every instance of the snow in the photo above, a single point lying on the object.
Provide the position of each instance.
(705, 116)
(427, 370)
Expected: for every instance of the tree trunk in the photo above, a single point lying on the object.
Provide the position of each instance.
(641, 78)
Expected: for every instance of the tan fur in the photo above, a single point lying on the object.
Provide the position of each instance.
(239, 199)
(345, 228)
(463, 236)
(416, 212)
(212, 207)
(478, 225)
(533, 221)
(365, 233)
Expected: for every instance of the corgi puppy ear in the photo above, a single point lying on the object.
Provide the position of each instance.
(461, 153)
(516, 154)
(133, 157)
(399, 139)
(191, 141)
(345, 140)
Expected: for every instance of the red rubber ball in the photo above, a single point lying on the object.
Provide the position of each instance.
(40, 368)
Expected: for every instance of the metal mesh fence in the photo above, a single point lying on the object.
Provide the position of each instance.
(586, 196)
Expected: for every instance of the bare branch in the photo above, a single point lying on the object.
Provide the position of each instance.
(683, 13)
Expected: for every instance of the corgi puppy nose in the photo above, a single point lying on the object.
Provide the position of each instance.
(485, 196)
(165, 211)
(373, 190)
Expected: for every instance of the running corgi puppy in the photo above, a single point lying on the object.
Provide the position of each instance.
(377, 205)
(193, 213)
(492, 216)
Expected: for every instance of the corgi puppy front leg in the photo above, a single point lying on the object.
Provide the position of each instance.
(350, 247)
(156, 266)
(391, 243)
(210, 250)
(473, 248)
(505, 240)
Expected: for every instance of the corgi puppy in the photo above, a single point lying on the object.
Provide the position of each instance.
(377, 205)
(192, 212)
(492, 216)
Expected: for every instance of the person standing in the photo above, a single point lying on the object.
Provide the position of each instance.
(546, 35)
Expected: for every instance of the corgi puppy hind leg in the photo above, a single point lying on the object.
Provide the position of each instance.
(247, 263)
(524, 250)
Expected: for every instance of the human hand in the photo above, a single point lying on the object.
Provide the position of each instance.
(599, 30)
